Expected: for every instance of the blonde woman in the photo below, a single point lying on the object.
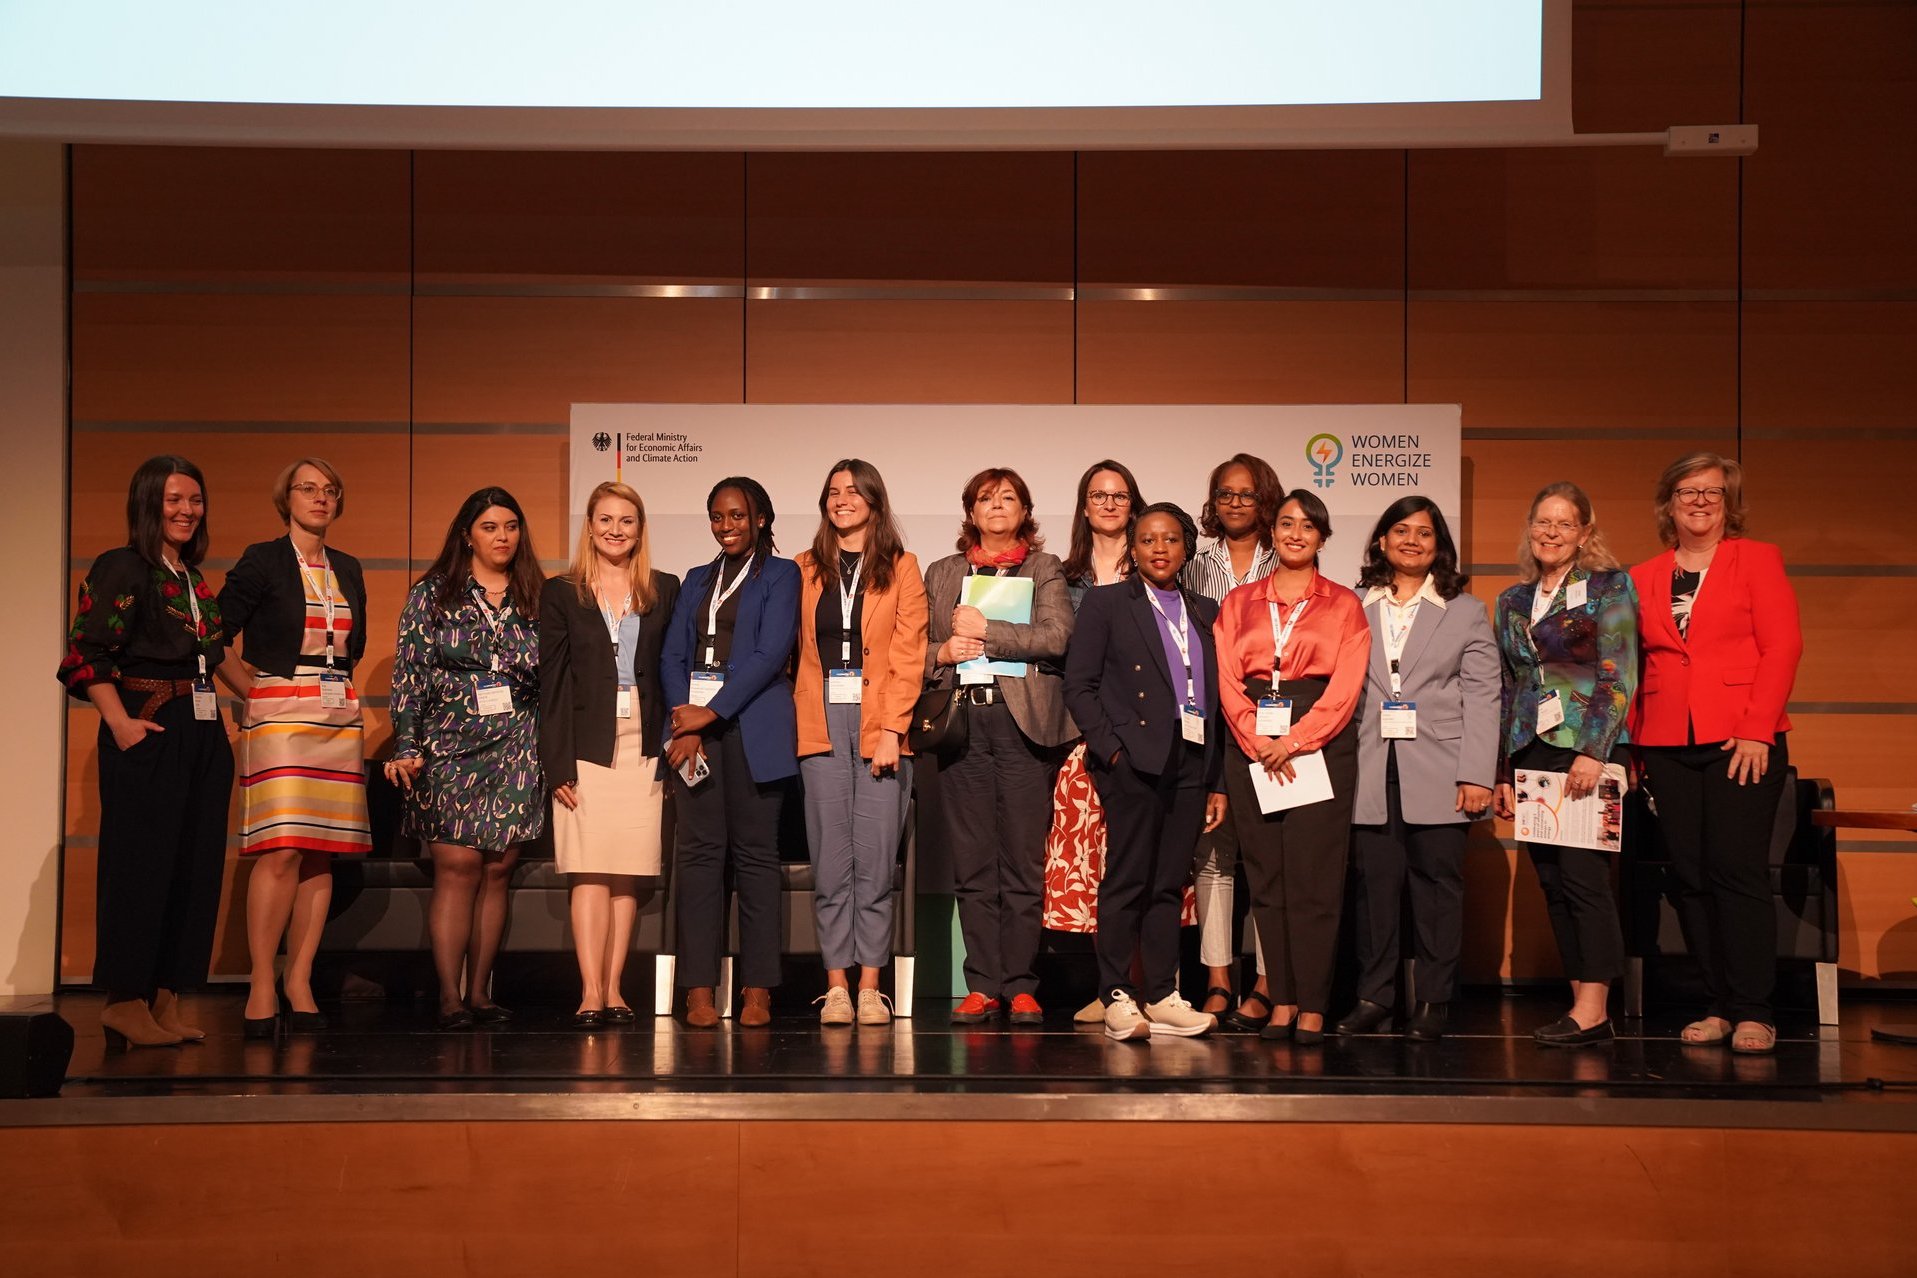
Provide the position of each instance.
(601, 626)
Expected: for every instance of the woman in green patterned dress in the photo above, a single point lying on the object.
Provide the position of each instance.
(465, 735)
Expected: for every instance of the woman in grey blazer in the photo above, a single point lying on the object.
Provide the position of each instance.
(1427, 759)
(996, 793)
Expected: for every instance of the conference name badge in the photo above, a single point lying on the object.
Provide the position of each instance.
(206, 706)
(844, 687)
(1550, 711)
(1274, 717)
(492, 696)
(622, 707)
(1193, 724)
(705, 686)
(1577, 594)
(1399, 720)
(332, 690)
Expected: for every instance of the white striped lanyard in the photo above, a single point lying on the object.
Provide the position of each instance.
(1181, 639)
(192, 605)
(1395, 635)
(323, 587)
(718, 601)
(1280, 637)
(495, 622)
(848, 593)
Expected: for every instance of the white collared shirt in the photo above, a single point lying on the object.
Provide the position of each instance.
(1209, 571)
(1399, 617)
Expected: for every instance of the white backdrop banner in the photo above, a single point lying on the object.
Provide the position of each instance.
(1358, 458)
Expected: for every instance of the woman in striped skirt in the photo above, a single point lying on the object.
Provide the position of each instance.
(299, 608)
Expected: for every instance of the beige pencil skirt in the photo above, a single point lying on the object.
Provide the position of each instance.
(616, 827)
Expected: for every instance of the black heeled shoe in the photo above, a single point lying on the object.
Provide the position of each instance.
(457, 1019)
(621, 1016)
(305, 1022)
(1428, 1022)
(1250, 1022)
(260, 1026)
(1366, 1018)
(1276, 1033)
(491, 1014)
(1306, 1038)
(591, 1018)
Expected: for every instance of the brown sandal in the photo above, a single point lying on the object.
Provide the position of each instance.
(1710, 1030)
(1753, 1038)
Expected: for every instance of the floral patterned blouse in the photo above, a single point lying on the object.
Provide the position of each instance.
(134, 620)
(439, 662)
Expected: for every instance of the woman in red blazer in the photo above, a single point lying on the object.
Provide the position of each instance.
(1720, 642)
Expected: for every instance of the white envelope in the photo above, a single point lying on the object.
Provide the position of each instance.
(1311, 783)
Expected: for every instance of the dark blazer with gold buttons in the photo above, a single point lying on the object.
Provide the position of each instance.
(1120, 690)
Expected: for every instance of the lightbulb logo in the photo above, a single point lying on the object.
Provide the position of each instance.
(1324, 452)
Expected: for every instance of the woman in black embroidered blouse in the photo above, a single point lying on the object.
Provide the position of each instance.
(145, 640)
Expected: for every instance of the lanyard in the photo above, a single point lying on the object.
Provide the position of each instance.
(718, 601)
(323, 587)
(495, 622)
(1395, 634)
(613, 623)
(1181, 639)
(192, 606)
(1280, 637)
(1251, 574)
(848, 592)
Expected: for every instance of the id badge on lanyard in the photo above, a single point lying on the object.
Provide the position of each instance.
(206, 706)
(705, 686)
(491, 693)
(845, 686)
(1274, 717)
(1274, 710)
(334, 691)
(622, 702)
(1550, 711)
(1397, 718)
(1193, 724)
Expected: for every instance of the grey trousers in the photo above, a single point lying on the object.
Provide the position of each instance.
(853, 822)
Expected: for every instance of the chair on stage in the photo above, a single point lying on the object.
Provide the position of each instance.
(1803, 861)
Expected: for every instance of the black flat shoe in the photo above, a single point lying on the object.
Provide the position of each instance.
(1428, 1022)
(590, 1019)
(260, 1027)
(1276, 1033)
(1304, 1037)
(1218, 991)
(305, 1022)
(458, 1019)
(1366, 1018)
(1564, 1032)
(621, 1016)
(492, 1014)
(1250, 1022)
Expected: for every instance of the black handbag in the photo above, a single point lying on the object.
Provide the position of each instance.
(938, 722)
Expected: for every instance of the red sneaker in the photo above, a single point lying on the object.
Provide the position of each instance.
(974, 1009)
(1026, 1011)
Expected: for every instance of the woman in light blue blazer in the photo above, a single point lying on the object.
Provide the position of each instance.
(1427, 762)
(733, 748)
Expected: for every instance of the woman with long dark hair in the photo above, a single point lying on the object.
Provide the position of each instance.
(733, 748)
(861, 646)
(1427, 759)
(145, 640)
(602, 715)
(465, 747)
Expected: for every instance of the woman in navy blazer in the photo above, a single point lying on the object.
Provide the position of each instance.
(723, 670)
(1721, 643)
(1141, 682)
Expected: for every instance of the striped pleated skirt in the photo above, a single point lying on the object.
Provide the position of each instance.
(302, 770)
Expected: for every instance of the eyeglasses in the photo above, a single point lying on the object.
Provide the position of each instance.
(1109, 499)
(1232, 497)
(1564, 526)
(1708, 496)
(310, 491)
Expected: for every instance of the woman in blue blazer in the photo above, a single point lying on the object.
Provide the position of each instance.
(1141, 682)
(732, 746)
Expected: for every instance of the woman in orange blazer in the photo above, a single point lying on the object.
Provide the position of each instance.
(862, 624)
(1721, 644)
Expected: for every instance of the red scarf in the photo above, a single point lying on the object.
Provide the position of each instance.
(1012, 558)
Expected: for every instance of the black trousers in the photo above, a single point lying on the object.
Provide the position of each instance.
(1719, 836)
(1152, 824)
(1577, 890)
(1296, 863)
(727, 821)
(996, 797)
(163, 807)
(1428, 861)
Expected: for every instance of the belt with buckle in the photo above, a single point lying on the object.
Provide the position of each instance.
(159, 692)
(981, 694)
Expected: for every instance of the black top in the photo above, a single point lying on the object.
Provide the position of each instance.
(830, 621)
(264, 601)
(1684, 587)
(578, 682)
(134, 621)
(728, 617)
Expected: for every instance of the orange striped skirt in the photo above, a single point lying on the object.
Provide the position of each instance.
(302, 770)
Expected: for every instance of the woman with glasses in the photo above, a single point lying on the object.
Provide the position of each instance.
(1567, 634)
(1240, 511)
(299, 606)
(1721, 644)
(1075, 848)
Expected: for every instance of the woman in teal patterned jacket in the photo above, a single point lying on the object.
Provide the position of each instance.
(1567, 633)
(465, 738)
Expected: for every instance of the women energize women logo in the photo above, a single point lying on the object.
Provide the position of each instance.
(1324, 452)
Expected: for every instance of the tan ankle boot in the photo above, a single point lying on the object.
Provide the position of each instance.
(700, 1011)
(130, 1023)
(758, 1008)
(166, 1014)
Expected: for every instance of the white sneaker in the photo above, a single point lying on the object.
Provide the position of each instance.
(872, 1008)
(838, 1006)
(1123, 1020)
(1173, 1015)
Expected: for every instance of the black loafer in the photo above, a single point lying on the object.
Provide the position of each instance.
(1366, 1018)
(1276, 1033)
(458, 1019)
(590, 1019)
(492, 1014)
(1429, 1021)
(621, 1016)
(1304, 1037)
(1564, 1032)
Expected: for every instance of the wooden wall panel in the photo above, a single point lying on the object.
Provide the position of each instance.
(1284, 219)
(909, 352)
(552, 216)
(990, 217)
(533, 467)
(1857, 636)
(1828, 364)
(1244, 352)
(238, 216)
(1644, 65)
(1877, 895)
